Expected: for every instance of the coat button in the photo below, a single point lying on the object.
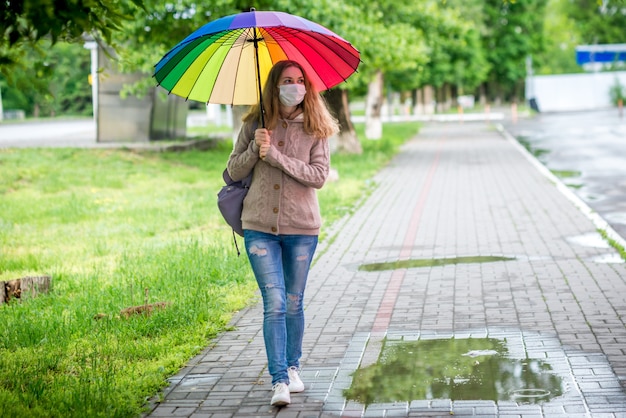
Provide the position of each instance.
(281, 143)
(273, 229)
(275, 210)
(276, 186)
(285, 125)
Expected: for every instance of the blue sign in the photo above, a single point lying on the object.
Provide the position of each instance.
(606, 53)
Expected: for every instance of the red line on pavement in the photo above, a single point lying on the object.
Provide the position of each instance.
(385, 310)
(411, 233)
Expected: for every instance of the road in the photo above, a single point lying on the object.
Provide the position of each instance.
(58, 133)
(587, 150)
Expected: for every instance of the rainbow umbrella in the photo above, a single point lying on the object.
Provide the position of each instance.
(228, 60)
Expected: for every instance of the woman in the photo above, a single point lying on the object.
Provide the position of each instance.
(289, 158)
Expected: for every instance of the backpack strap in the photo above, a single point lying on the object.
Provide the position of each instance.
(246, 182)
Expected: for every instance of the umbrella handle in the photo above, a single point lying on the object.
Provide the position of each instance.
(258, 76)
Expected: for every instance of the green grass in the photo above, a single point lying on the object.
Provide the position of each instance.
(566, 174)
(109, 227)
(537, 152)
(619, 248)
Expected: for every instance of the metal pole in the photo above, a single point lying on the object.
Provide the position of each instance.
(258, 76)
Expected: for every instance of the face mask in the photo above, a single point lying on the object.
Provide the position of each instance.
(291, 94)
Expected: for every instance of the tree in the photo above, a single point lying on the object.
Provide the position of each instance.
(449, 44)
(56, 83)
(24, 24)
(598, 21)
(455, 55)
(147, 37)
(385, 42)
(513, 32)
(401, 48)
(166, 24)
(561, 36)
(30, 27)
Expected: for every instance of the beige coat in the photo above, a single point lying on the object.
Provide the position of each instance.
(282, 198)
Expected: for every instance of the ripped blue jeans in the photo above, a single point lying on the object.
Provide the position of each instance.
(281, 266)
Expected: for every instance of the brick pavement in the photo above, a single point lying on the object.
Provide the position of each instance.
(455, 190)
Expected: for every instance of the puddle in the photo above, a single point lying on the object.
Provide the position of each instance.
(455, 369)
(592, 239)
(431, 262)
(616, 217)
(613, 258)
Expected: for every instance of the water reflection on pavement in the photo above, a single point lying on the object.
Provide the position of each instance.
(587, 150)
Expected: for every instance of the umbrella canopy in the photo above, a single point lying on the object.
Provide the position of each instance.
(227, 61)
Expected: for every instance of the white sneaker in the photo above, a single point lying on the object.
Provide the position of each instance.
(281, 395)
(295, 383)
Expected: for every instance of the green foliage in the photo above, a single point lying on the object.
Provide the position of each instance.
(377, 29)
(43, 79)
(455, 54)
(457, 43)
(513, 31)
(23, 24)
(620, 249)
(561, 36)
(598, 22)
(57, 82)
(147, 37)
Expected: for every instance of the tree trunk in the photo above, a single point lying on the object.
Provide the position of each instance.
(518, 95)
(346, 139)
(417, 101)
(483, 95)
(25, 287)
(495, 93)
(429, 100)
(440, 100)
(447, 95)
(373, 105)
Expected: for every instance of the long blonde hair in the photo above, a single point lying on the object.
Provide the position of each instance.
(317, 119)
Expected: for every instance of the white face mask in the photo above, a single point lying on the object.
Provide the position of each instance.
(291, 94)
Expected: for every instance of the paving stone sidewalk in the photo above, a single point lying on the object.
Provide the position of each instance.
(456, 190)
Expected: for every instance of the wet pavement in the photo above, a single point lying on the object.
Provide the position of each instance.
(513, 265)
(587, 150)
